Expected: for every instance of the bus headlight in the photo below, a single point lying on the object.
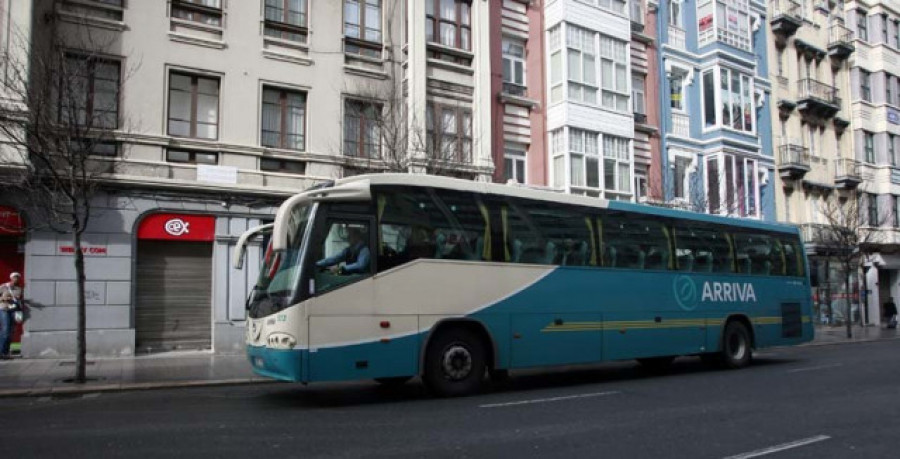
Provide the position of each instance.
(280, 340)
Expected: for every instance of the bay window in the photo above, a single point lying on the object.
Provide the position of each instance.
(584, 161)
(614, 73)
(554, 42)
(732, 185)
(729, 19)
(581, 63)
(730, 104)
(616, 164)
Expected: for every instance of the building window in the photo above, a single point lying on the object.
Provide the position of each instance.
(615, 5)
(208, 12)
(681, 176)
(872, 209)
(584, 161)
(892, 153)
(513, 66)
(283, 119)
(362, 129)
(869, 146)
(191, 157)
(556, 74)
(862, 25)
(729, 18)
(888, 83)
(558, 150)
(640, 187)
(732, 185)
(193, 106)
(286, 19)
(709, 98)
(637, 94)
(896, 40)
(514, 164)
(676, 90)
(90, 94)
(449, 133)
(282, 165)
(581, 59)
(448, 23)
(865, 85)
(616, 164)
(895, 207)
(811, 142)
(675, 14)
(362, 27)
(614, 73)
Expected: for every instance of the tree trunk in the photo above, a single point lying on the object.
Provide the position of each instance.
(81, 346)
(847, 318)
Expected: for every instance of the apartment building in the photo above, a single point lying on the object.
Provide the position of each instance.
(874, 128)
(716, 125)
(589, 112)
(644, 96)
(810, 55)
(517, 92)
(223, 108)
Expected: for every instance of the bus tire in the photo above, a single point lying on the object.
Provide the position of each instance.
(393, 381)
(737, 348)
(657, 364)
(455, 363)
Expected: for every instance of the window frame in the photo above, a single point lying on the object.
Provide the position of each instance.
(462, 21)
(511, 86)
(865, 85)
(194, 95)
(862, 25)
(869, 147)
(363, 123)
(283, 29)
(515, 155)
(91, 63)
(363, 46)
(283, 109)
(192, 156)
(463, 132)
(198, 7)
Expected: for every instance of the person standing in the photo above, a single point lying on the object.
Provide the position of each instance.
(10, 302)
(890, 313)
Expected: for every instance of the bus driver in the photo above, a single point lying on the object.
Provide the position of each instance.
(355, 257)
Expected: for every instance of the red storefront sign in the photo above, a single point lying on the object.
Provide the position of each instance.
(178, 227)
(10, 222)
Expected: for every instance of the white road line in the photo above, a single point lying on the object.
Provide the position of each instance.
(820, 367)
(781, 447)
(545, 400)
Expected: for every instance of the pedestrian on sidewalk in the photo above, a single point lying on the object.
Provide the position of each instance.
(10, 304)
(890, 313)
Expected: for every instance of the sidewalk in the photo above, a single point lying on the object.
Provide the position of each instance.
(46, 377)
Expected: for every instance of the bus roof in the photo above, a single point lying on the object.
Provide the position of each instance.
(523, 191)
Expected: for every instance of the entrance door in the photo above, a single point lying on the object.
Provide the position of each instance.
(11, 261)
(174, 295)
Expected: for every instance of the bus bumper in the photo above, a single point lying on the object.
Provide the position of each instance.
(281, 364)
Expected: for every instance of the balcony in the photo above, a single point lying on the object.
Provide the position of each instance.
(815, 234)
(637, 17)
(794, 160)
(817, 99)
(514, 89)
(681, 124)
(786, 19)
(847, 174)
(677, 37)
(840, 42)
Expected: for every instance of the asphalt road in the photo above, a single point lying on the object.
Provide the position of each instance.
(817, 402)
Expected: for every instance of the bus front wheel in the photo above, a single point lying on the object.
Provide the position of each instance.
(455, 363)
(737, 348)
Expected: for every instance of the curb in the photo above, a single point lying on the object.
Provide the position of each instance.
(125, 387)
(850, 341)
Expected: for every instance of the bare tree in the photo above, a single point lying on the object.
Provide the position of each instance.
(61, 128)
(848, 236)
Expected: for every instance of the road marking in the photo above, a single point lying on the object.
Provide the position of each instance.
(820, 367)
(546, 400)
(781, 447)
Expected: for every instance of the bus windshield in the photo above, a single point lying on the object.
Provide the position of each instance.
(279, 272)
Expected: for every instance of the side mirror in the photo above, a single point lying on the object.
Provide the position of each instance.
(241, 248)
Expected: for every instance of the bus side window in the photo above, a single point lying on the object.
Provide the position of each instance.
(701, 250)
(409, 222)
(469, 234)
(519, 241)
(566, 237)
(635, 243)
(793, 259)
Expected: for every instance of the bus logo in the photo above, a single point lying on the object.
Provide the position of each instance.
(685, 293)
(177, 227)
(728, 292)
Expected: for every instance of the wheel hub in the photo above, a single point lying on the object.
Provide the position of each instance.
(457, 362)
(737, 346)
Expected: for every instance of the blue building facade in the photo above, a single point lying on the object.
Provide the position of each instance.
(716, 127)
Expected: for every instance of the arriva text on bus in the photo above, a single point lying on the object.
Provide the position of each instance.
(728, 291)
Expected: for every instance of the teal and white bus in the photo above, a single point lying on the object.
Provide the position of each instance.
(466, 279)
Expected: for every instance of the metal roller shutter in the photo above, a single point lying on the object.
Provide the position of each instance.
(174, 289)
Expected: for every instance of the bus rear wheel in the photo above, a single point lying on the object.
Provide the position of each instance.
(455, 363)
(737, 348)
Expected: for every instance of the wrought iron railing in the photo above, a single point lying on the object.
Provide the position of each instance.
(793, 154)
(846, 167)
(810, 88)
(839, 34)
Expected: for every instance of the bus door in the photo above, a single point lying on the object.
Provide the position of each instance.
(349, 339)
